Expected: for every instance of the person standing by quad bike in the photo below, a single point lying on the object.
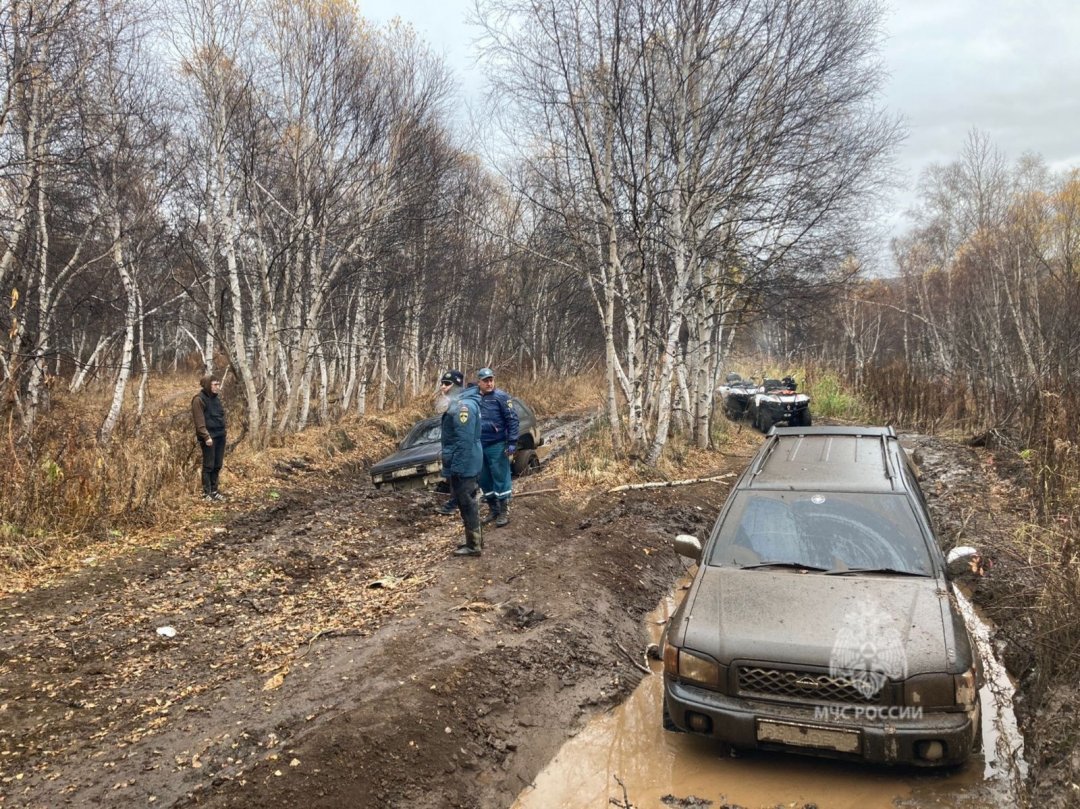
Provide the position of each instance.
(499, 438)
(463, 460)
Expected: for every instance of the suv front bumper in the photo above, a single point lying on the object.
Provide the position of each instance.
(840, 731)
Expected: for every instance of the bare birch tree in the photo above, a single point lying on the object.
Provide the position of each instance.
(698, 153)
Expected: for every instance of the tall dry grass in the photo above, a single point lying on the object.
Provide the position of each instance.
(62, 488)
(552, 396)
(1036, 441)
(63, 493)
(1049, 441)
(63, 496)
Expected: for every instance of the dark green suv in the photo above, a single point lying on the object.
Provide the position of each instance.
(821, 618)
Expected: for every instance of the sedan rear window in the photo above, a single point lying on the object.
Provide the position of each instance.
(425, 432)
(830, 531)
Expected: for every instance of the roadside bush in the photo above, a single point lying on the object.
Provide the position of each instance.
(829, 399)
(61, 483)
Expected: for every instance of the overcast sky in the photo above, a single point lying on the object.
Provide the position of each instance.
(1009, 68)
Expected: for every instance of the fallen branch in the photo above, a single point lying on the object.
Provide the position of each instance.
(478, 606)
(625, 803)
(665, 483)
(630, 657)
(535, 491)
(332, 632)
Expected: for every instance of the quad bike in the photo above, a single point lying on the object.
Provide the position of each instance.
(736, 394)
(777, 401)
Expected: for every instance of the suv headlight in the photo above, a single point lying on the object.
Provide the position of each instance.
(692, 667)
(941, 691)
(967, 689)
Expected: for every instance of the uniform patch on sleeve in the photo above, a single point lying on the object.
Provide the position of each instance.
(463, 416)
(510, 404)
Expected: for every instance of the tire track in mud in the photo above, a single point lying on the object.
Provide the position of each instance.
(407, 678)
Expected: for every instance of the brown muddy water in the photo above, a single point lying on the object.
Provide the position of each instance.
(624, 758)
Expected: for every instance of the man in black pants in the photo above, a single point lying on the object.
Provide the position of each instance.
(208, 413)
(463, 458)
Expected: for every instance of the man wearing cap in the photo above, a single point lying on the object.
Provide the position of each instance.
(463, 460)
(450, 384)
(499, 437)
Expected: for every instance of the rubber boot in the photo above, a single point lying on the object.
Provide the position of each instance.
(493, 510)
(503, 517)
(448, 508)
(474, 543)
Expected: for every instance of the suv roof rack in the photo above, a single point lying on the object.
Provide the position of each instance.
(829, 458)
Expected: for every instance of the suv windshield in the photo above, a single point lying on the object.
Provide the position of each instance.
(829, 531)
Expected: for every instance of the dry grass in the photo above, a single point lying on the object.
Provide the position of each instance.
(550, 397)
(592, 462)
(67, 500)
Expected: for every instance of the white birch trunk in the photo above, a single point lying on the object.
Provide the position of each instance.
(127, 350)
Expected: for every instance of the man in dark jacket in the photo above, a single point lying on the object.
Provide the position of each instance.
(450, 385)
(499, 438)
(208, 413)
(462, 459)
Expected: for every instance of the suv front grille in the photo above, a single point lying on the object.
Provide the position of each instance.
(805, 686)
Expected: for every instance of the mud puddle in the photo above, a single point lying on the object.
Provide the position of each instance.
(1003, 744)
(624, 758)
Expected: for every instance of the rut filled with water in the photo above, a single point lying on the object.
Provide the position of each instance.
(624, 758)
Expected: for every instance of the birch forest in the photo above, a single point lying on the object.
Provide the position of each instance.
(281, 189)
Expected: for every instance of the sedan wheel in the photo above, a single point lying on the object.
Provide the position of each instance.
(524, 461)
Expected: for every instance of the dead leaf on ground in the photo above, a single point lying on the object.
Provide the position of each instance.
(276, 681)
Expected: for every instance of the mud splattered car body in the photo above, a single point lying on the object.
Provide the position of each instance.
(418, 460)
(821, 619)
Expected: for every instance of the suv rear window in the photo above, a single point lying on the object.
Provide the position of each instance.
(834, 531)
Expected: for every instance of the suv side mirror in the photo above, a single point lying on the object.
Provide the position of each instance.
(965, 559)
(688, 546)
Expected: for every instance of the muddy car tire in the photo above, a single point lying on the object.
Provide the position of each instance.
(525, 461)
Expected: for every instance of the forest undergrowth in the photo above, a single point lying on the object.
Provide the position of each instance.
(65, 496)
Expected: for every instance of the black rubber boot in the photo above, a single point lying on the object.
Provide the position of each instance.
(474, 543)
(466, 550)
(503, 517)
(448, 508)
(493, 511)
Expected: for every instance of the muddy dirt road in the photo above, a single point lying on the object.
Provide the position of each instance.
(324, 650)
